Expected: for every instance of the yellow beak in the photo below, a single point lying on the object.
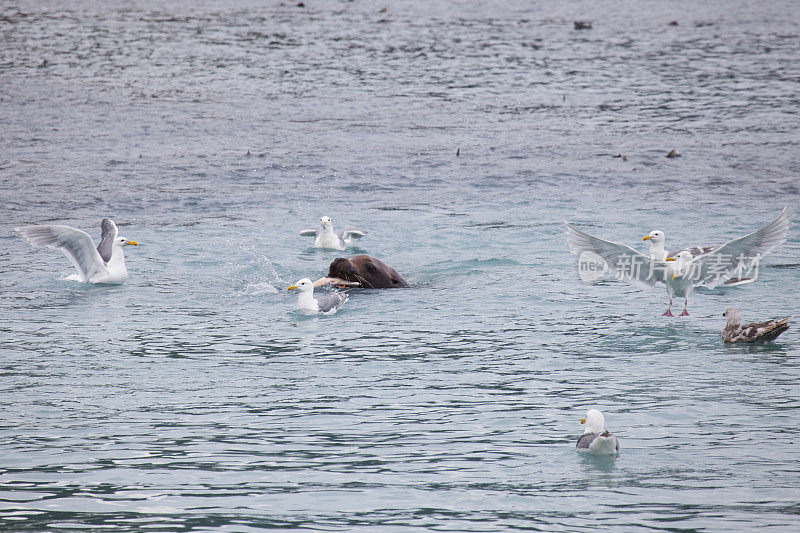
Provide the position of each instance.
(583, 420)
(646, 238)
(290, 287)
(669, 259)
(134, 243)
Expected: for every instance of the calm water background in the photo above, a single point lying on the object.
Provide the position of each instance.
(194, 397)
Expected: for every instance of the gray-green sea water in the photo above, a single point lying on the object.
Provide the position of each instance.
(196, 398)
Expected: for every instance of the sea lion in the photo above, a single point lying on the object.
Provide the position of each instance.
(362, 271)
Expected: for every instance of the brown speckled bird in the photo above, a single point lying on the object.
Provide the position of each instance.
(754, 332)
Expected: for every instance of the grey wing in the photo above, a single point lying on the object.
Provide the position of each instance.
(696, 251)
(738, 256)
(77, 245)
(585, 440)
(352, 233)
(623, 261)
(108, 232)
(330, 302)
(308, 232)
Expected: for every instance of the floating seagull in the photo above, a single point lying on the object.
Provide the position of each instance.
(326, 238)
(754, 332)
(711, 269)
(596, 438)
(324, 303)
(657, 251)
(105, 264)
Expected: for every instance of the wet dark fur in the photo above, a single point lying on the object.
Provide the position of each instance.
(372, 273)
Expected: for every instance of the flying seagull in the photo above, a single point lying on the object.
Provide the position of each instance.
(658, 252)
(712, 269)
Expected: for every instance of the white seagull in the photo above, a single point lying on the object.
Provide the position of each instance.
(678, 280)
(658, 252)
(324, 303)
(731, 260)
(327, 238)
(596, 438)
(104, 264)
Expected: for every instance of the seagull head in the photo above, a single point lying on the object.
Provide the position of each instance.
(594, 420)
(122, 241)
(732, 315)
(304, 285)
(682, 261)
(655, 237)
(326, 222)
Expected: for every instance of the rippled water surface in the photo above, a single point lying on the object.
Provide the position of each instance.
(459, 134)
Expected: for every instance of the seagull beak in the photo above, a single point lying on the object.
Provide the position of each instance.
(133, 243)
(583, 420)
(673, 276)
(291, 287)
(646, 238)
(669, 259)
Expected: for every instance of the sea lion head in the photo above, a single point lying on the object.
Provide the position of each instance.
(370, 272)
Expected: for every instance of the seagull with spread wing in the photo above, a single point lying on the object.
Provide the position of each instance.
(658, 251)
(711, 269)
(327, 238)
(104, 264)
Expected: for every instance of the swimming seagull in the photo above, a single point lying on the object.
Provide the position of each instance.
(324, 303)
(712, 269)
(104, 264)
(596, 438)
(658, 252)
(326, 238)
(734, 331)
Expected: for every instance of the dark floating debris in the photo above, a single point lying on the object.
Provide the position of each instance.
(582, 25)
(673, 23)
(382, 10)
(301, 4)
(673, 154)
(623, 157)
(458, 151)
(702, 24)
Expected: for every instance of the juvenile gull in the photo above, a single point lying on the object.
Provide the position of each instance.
(711, 269)
(734, 331)
(596, 438)
(328, 239)
(323, 303)
(104, 264)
